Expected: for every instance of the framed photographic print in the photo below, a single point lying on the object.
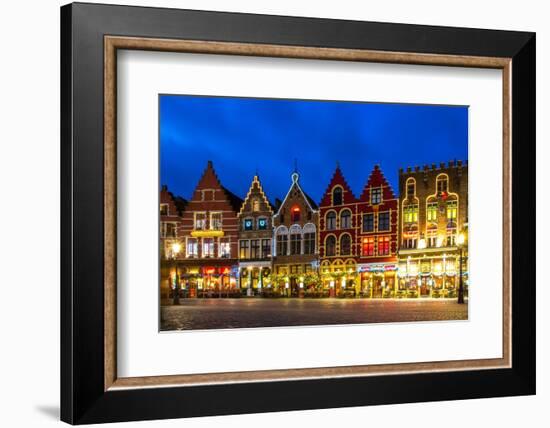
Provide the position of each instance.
(266, 213)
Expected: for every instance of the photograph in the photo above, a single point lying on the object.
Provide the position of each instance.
(292, 212)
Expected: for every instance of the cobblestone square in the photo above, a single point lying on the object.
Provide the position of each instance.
(200, 314)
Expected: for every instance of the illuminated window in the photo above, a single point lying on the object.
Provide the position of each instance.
(225, 248)
(451, 211)
(262, 223)
(163, 209)
(200, 221)
(255, 205)
(384, 221)
(337, 196)
(168, 230)
(248, 224)
(383, 245)
(431, 237)
(376, 195)
(330, 246)
(411, 213)
(331, 221)
(244, 249)
(368, 222)
(216, 221)
(431, 213)
(345, 245)
(208, 247)
(295, 214)
(192, 247)
(368, 246)
(345, 219)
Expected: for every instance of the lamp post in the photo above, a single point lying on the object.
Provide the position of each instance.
(176, 247)
(460, 241)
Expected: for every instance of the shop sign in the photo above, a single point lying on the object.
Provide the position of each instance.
(378, 268)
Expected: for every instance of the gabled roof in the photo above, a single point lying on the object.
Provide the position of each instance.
(377, 179)
(309, 200)
(235, 201)
(255, 188)
(338, 179)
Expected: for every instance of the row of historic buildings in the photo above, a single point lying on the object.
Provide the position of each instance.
(377, 244)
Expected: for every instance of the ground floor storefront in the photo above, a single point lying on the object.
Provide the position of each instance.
(437, 276)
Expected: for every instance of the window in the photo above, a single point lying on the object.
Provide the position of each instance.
(431, 237)
(451, 212)
(244, 249)
(331, 221)
(337, 196)
(345, 245)
(248, 224)
(451, 237)
(345, 219)
(432, 212)
(262, 223)
(163, 209)
(192, 247)
(282, 242)
(208, 247)
(384, 221)
(368, 246)
(200, 221)
(442, 183)
(295, 243)
(368, 222)
(309, 243)
(255, 249)
(309, 232)
(216, 221)
(167, 230)
(383, 245)
(295, 214)
(255, 205)
(225, 248)
(330, 246)
(411, 213)
(411, 187)
(409, 240)
(375, 195)
(266, 248)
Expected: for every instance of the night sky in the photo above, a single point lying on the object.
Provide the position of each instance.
(245, 135)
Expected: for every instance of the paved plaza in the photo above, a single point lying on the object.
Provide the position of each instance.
(201, 314)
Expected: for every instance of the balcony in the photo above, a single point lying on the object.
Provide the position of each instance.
(207, 233)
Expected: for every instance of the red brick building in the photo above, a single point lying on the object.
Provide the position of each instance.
(338, 221)
(208, 234)
(377, 236)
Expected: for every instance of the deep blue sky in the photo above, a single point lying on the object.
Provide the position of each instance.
(242, 135)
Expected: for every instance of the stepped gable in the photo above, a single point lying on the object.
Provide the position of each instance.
(338, 179)
(256, 191)
(377, 179)
(210, 181)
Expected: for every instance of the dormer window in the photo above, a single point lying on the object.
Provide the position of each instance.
(442, 184)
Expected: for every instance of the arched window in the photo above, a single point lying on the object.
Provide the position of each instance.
(331, 221)
(411, 187)
(337, 196)
(345, 219)
(345, 245)
(295, 214)
(330, 246)
(295, 239)
(309, 238)
(442, 184)
(281, 238)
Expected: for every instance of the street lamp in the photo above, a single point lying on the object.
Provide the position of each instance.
(176, 248)
(460, 241)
